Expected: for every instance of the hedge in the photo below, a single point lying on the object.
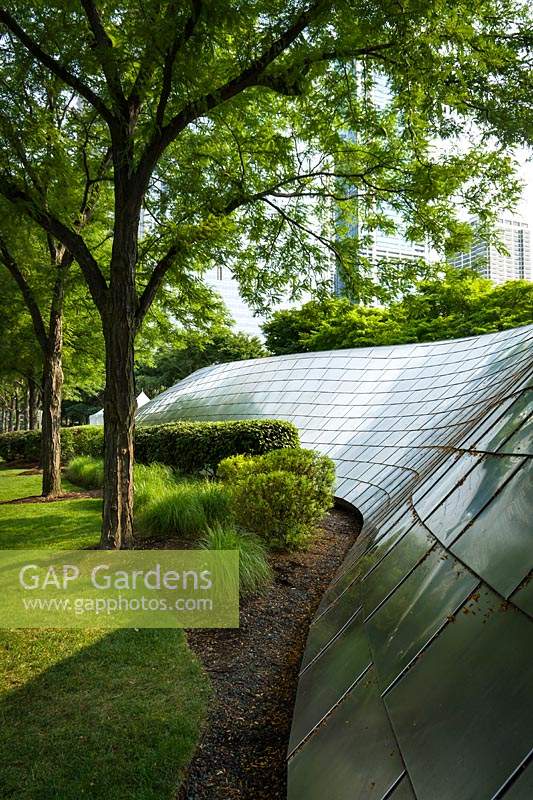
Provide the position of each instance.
(86, 440)
(199, 446)
(187, 446)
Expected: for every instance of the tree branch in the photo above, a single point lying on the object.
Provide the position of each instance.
(178, 44)
(16, 144)
(154, 282)
(69, 238)
(27, 294)
(247, 78)
(55, 66)
(104, 49)
(309, 231)
(287, 80)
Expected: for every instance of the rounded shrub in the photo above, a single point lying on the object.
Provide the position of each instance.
(283, 508)
(298, 460)
(318, 468)
(235, 467)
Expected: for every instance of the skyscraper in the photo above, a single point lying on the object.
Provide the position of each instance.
(500, 267)
(222, 281)
(379, 244)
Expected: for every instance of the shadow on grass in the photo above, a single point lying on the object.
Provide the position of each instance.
(90, 714)
(67, 524)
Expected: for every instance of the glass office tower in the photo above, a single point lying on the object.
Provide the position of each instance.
(516, 264)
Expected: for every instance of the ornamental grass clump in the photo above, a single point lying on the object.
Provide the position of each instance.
(150, 482)
(255, 573)
(86, 471)
(184, 510)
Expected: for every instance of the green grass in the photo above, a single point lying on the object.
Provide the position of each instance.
(90, 714)
(13, 486)
(187, 509)
(105, 716)
(63, 525)
(86, 471)
(255, 573)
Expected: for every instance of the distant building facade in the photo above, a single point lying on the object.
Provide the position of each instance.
(499, 267)
(386, 246)
(221, 280)
(380, 245)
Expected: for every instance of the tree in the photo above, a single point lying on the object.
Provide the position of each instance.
(462, 303)
(40, 268)
(288, 330)
(229, 126)
(192, 350)
(360, 326)
(20, 359)
(49, 337)
(454, 304)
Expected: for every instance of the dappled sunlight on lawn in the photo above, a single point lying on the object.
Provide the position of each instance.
(63, 525)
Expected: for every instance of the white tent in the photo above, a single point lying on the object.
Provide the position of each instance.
(98, 417)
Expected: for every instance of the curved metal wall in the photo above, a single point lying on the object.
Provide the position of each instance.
(417, 680)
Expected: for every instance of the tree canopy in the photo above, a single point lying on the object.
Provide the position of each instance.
(242, 119)
(454, 304)
(191, 350)
(249, 133)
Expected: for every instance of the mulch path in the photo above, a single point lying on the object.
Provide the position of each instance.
(254, 673)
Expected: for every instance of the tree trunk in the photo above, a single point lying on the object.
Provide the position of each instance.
(32, 404)
(51, 421)
(17, 410)
(119, 416)
(12, 414)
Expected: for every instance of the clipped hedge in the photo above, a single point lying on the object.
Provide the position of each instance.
(201, 446)
(20, 446)
(85, 440)
(187, 446)
(82, 440)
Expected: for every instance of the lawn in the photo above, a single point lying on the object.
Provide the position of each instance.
(63, 525)
(90, 713)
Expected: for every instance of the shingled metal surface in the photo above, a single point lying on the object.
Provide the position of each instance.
(417, 681)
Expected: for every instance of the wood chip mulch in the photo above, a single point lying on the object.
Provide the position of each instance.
(254, 673)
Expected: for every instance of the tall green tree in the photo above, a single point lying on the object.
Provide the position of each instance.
(229, 125)
(41, 270)
(20, 358)
(462, 303)
(289, 330)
